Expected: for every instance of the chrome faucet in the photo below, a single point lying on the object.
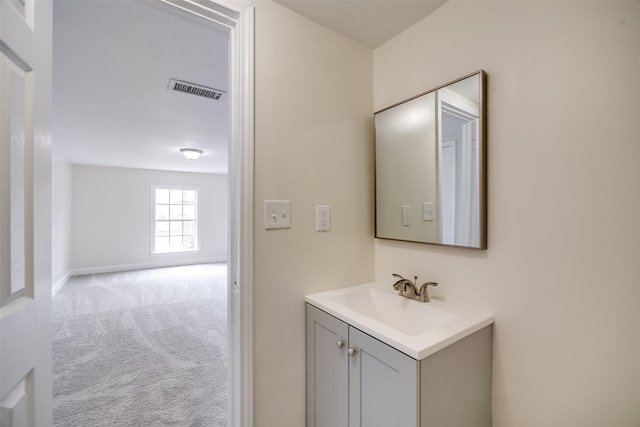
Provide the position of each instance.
(408, 289)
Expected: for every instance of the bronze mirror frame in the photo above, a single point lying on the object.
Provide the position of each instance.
(397, 207)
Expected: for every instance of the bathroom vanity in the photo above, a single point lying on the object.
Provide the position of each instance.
(375, 359)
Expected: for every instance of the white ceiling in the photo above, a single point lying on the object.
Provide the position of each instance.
(371, 22)
(111, 68)
(112, 61)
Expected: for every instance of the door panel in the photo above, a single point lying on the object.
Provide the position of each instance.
(327, 370)
(25, 213)
(383, 384)
(14, 91)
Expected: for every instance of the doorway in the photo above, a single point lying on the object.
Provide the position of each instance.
(239, 21)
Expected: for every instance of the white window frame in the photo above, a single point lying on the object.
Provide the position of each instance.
(154, 189)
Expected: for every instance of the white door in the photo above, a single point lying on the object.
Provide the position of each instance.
(25, 213)
(448, 190)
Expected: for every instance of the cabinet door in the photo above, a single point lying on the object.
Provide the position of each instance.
(383, 384)
(327, 370)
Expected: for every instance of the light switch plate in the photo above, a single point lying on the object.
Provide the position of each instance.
(406, 215)
(428, 211)
(277, 214)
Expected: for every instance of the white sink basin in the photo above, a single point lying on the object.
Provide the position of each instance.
(418, 329)
(403, 314)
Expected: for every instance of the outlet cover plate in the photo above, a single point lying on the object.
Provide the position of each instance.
(323, 218)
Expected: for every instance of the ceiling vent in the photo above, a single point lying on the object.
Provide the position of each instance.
(194, 89)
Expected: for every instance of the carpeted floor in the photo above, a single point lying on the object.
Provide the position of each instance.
(142, 348)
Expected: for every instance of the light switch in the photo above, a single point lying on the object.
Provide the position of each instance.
(428, 211)
(406, 215)
(277, 214)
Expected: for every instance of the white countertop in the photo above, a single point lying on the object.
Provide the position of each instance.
(417, 329)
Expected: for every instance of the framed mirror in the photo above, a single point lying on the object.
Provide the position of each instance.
(430, 154)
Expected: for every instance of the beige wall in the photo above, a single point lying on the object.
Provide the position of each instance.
(313, 145)
(562, 272)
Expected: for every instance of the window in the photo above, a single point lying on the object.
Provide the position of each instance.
(175, 217)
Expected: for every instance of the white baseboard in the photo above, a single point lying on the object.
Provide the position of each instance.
(141, 266)
(60, 283)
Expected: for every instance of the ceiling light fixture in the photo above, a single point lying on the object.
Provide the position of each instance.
(191, 153)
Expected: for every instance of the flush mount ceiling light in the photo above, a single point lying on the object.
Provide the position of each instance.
(191, 153)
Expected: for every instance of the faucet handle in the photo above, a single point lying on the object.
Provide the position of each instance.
(398, 284)
(423, 294)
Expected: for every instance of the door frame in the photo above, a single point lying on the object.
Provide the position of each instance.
(236, 18)
(240, 285)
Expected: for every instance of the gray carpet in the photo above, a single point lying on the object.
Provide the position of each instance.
(142, 348)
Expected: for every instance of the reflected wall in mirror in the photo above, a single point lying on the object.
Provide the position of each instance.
(431, 166)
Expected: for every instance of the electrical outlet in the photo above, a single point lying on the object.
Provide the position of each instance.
(323, 218)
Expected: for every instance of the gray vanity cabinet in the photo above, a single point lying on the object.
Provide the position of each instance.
(355, 380)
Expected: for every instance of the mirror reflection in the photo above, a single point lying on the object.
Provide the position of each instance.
(430, 168)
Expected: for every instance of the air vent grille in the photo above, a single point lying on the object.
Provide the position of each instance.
(194, 89)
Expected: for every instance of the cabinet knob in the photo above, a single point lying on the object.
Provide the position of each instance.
(340, 343)
(352, 351)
